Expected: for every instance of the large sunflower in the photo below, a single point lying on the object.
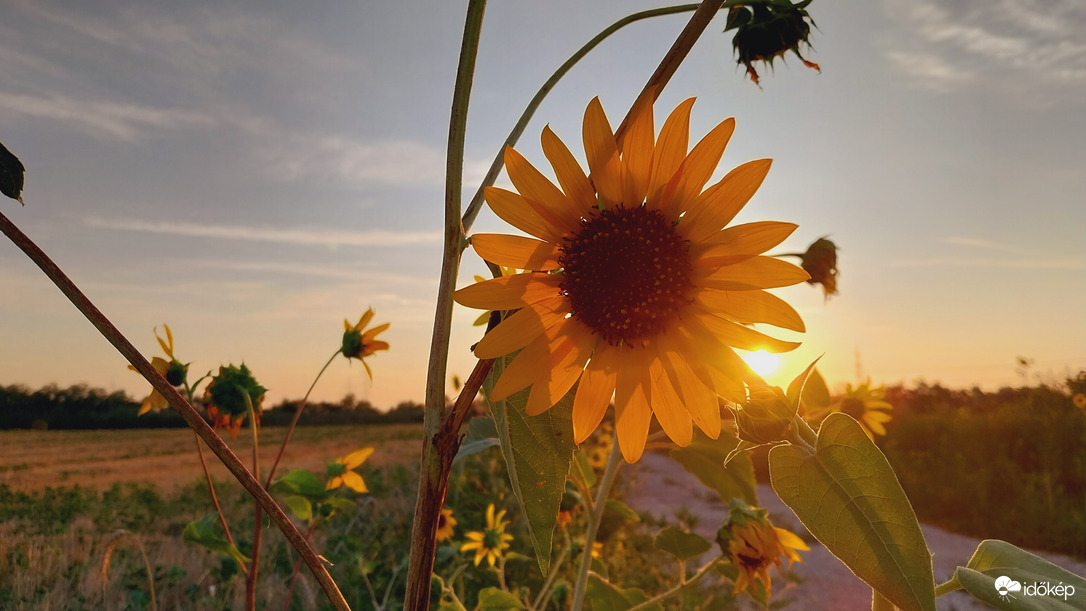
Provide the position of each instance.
(631, 284)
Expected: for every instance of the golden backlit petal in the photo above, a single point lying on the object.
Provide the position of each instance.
(791, 540)
(508, 292)
(874, 426)
(715, 364)
(364, 320)
(749, 307)
(374, 332)
(160, 365)
(755, 273)
(570, 347)
(744, 338)
(632, 411)
(535, 187)
(570, 175)
(515, 251)
(700, 400)
(670, 150)
(697, 168)
(719, 204)
(595, 391)
(602, 153)
(746, 239)
(668, 407)
(523, 371)
(356, 458)
(521, 327)
(515, 210)
(637, 150)
(167, 346)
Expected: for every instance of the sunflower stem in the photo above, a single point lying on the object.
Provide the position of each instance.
(495, 167)
(250, 582)
(178, 403)
(436, 457)
(702, 572)
(606, 481)
(294, 420)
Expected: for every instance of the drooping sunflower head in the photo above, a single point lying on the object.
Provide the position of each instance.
(752, 544)
(230, 394)
(632, 283)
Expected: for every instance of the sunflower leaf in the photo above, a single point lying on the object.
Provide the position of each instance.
(849, 498)
(481, 435)
(493, 599)
(606, 596)
(207, 532)
(537, 451)
(11, 174)
(683, 545)
(706, 457)
(998, 560)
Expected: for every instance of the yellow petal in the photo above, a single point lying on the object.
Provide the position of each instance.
(160, 365)
(515, 210)
(521, 327)
(790, 539)
(516, 251)
(637, 150)
(700, 400)
(696, 169)
(632, 411)
(668, 407)
(570, 175)
(167, 346)
(364, 320)
(750, 307)
(748, 239)
(755, 273)
(535, 187)
(670, 150)
(569, 349)
(602, 153)
(719, 204)
(524, 368)
(356, 458)
(508, 292)
(741, 337)
(354, 481)
(595, 391)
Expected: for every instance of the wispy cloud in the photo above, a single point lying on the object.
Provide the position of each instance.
(301, 237)
(983, 244)
(126, 122)
(389, 162)
(1015, 43)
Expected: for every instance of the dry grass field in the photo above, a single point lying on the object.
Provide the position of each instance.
(167, 458)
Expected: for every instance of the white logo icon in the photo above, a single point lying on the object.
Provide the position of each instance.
(1005, 585)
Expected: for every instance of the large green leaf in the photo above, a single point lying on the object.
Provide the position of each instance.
(493, 599)
(300, 482)
(849, 498)
(705, 457)
(996, 559)
(605, 596)
(681, 544)
(537, 451)
(208, 532)
(11, 174)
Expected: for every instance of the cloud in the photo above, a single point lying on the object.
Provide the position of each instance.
(1055, 263)
(389, 162)
(301, 237)
(125, 122)
(1017, 44)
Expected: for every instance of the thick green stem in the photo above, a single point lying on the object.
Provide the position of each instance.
(178, 403)
(608, 478)
(258, 530)
(435, 464)
(495, 167)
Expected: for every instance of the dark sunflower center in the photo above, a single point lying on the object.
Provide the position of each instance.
(853, 407)
(625, 273)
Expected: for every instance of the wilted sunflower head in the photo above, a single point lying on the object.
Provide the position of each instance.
(230, 393)
(752, 544)
(820, 261)
(767, 29)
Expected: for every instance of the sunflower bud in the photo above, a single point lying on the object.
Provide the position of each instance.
(767, 29)
(177, 374)
(226, 395)
(765, 416)
(820, 261)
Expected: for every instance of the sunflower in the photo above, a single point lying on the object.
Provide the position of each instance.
(493, 541)
(1080, 401)
(751, 543)
(631, 283)
(446, 525)
(173, 370)
(867, 406)
(359, 342)
(341, 472)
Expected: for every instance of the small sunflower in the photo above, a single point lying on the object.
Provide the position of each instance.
(867, 406)
(1080, 401)
(752, 544)
(341, 472)
(493, 541)
(173, 370)
(359, 342)
(632, 284)
(225, 398)
(446, 525)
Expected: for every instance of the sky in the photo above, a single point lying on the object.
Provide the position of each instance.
(252, 174)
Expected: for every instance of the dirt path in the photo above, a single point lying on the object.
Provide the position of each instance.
(821, 581)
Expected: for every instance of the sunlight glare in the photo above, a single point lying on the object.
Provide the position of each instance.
(762, 362)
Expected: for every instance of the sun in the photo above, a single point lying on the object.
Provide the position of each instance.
(762, 362)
